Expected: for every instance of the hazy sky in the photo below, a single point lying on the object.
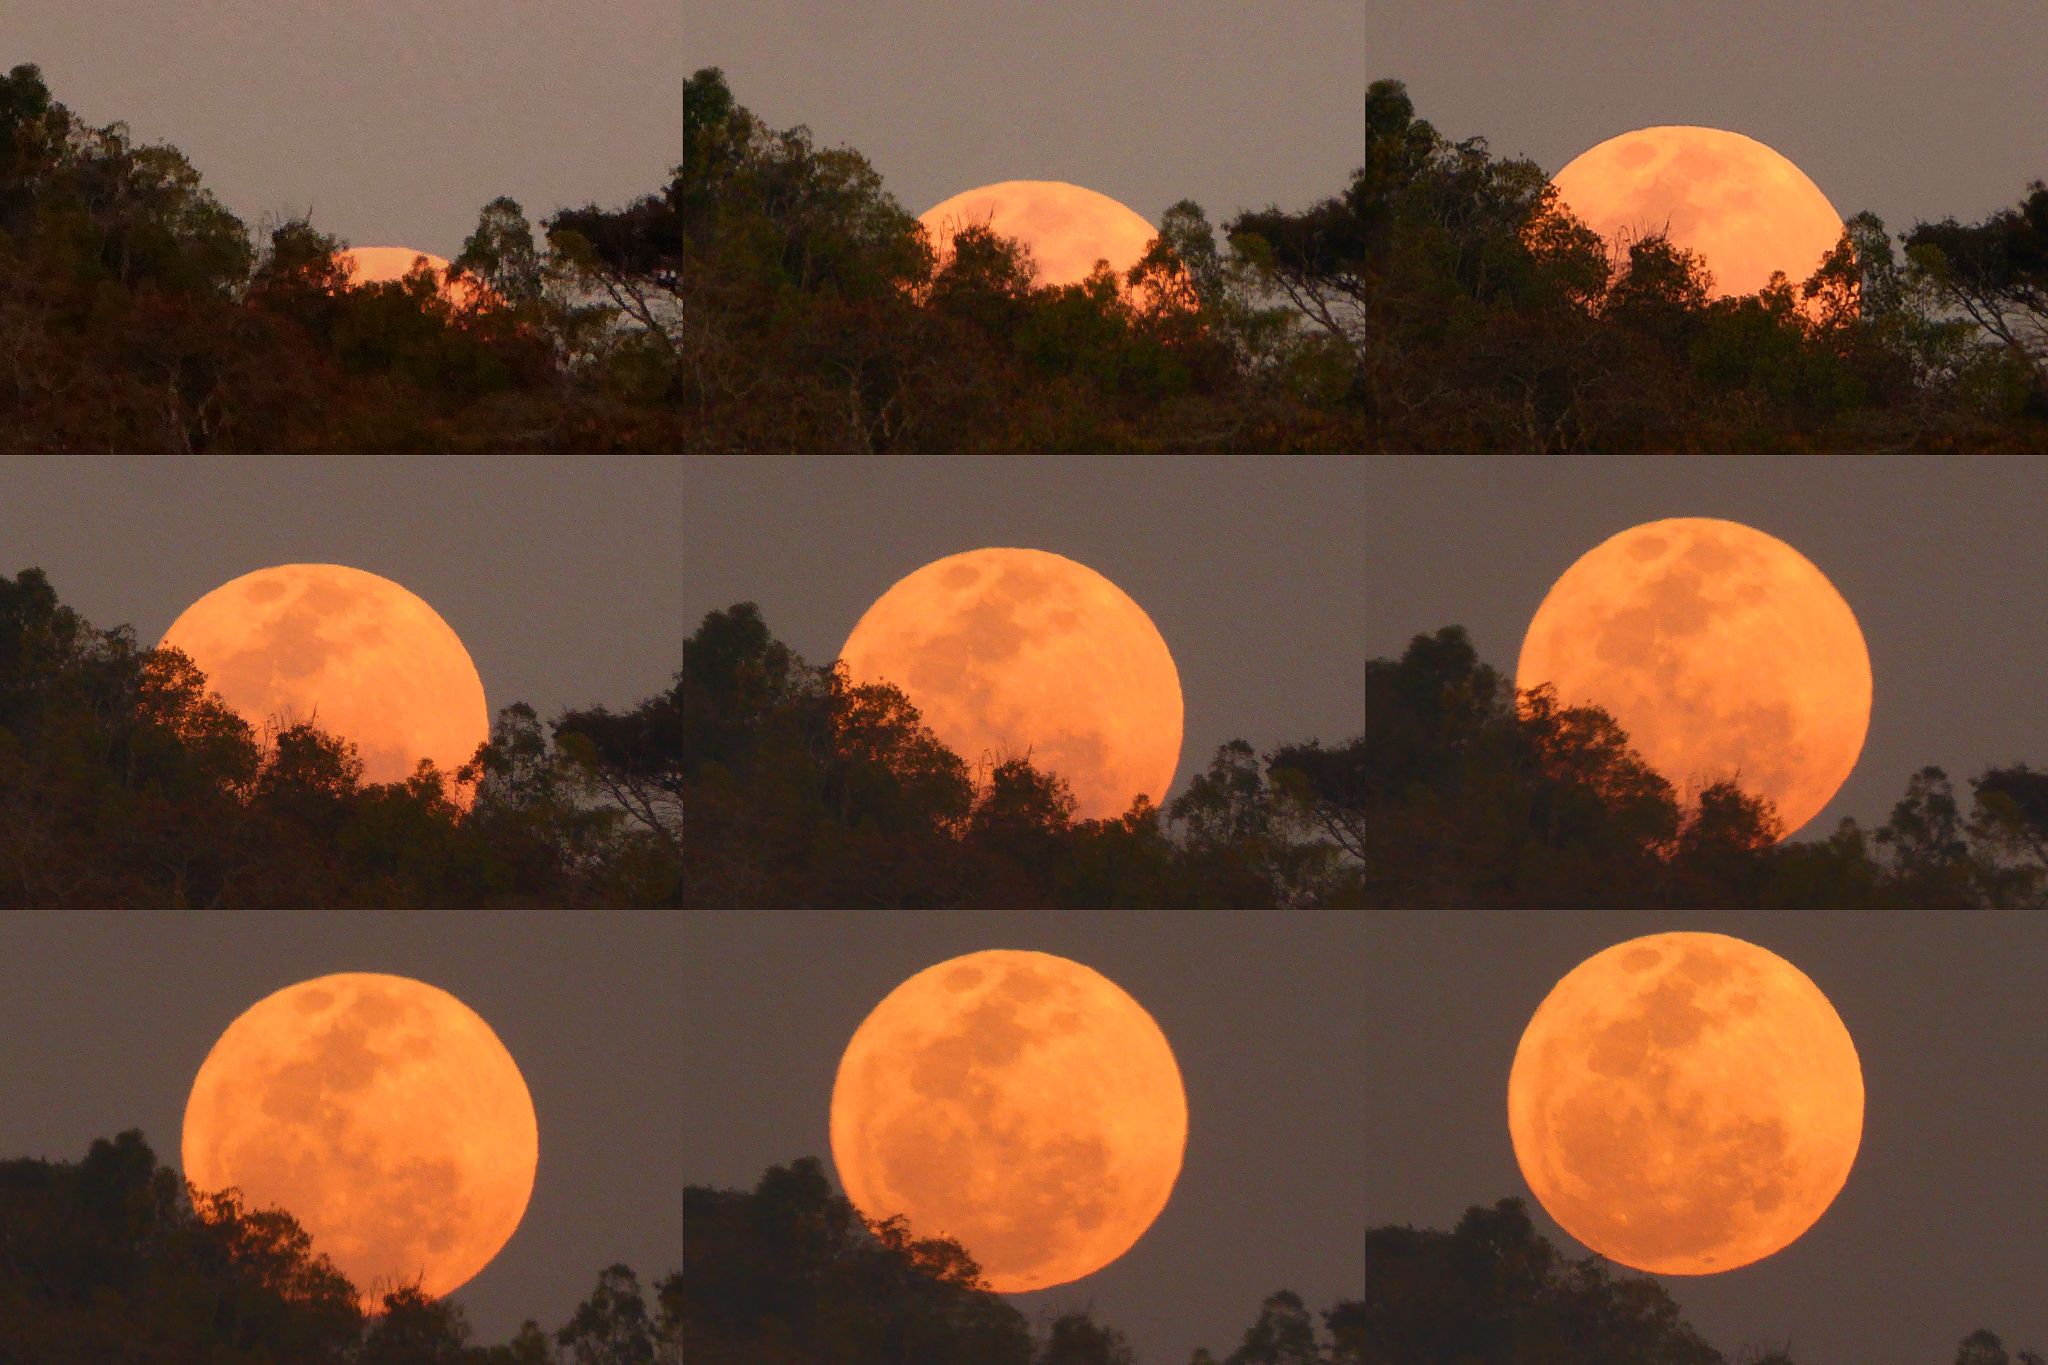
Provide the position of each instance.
(1342, 1071)
(393, 121)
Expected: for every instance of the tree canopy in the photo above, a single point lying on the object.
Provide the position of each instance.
(773, 295)
(755, 778)
(114, 1257)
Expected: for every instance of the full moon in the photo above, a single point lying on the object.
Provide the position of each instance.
(380, 1112)
(1722, 651)
(1746, 209)
(1019, 1103)
(355, 654)
(1007, 652)
(1067, 227)
(1686, 1103)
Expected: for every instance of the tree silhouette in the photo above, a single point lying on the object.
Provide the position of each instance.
(614, 1326)
(790, 1274)
(111, 1258)
(1493, 1290)
(756, 778)
(1985, 1348)
(1077, 1339)
(1461, 791)
(115, 1258)
(2009, 825)
(1284, 1334)
(771, 294)
(754, 769)
(1996, 273)
(1925, 837)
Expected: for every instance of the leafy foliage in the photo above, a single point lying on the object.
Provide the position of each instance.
(754, 778)
(115, 1258)
(112, 1258)
(1996, 274)
(773, 295)
(1494, 1290)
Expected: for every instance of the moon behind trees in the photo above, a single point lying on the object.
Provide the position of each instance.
(355, 654)
(1008, 652)
(1068, 227)
(1722, 651)
(385, 264)
(1745, 208)
(1686, 1103)
(390, 264)
(383, 1114)
(1020, 1103)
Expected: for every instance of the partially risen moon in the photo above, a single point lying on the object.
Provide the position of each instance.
(380, 1112)
(1019, 1103)
(1009, 652)
(354, 653)
(383, 264)
(1686, 1103)
(1067, 227)
(389, 264)
(1745, 208)
(1722, 651)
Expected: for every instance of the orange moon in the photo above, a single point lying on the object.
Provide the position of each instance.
(1722, 651)
(1008, 651)
(380, 1112)
(1746, 209)
(383, 264)
(388, 264)
(1686, 1103)
(1067, 227)
(1019, 1103)
(356, 654)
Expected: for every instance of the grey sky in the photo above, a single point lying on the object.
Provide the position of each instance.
(395, 121)
(1342, 1071)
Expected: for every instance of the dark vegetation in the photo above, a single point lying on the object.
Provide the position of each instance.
(755, 779)
(772, 295)
(114, 1258)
